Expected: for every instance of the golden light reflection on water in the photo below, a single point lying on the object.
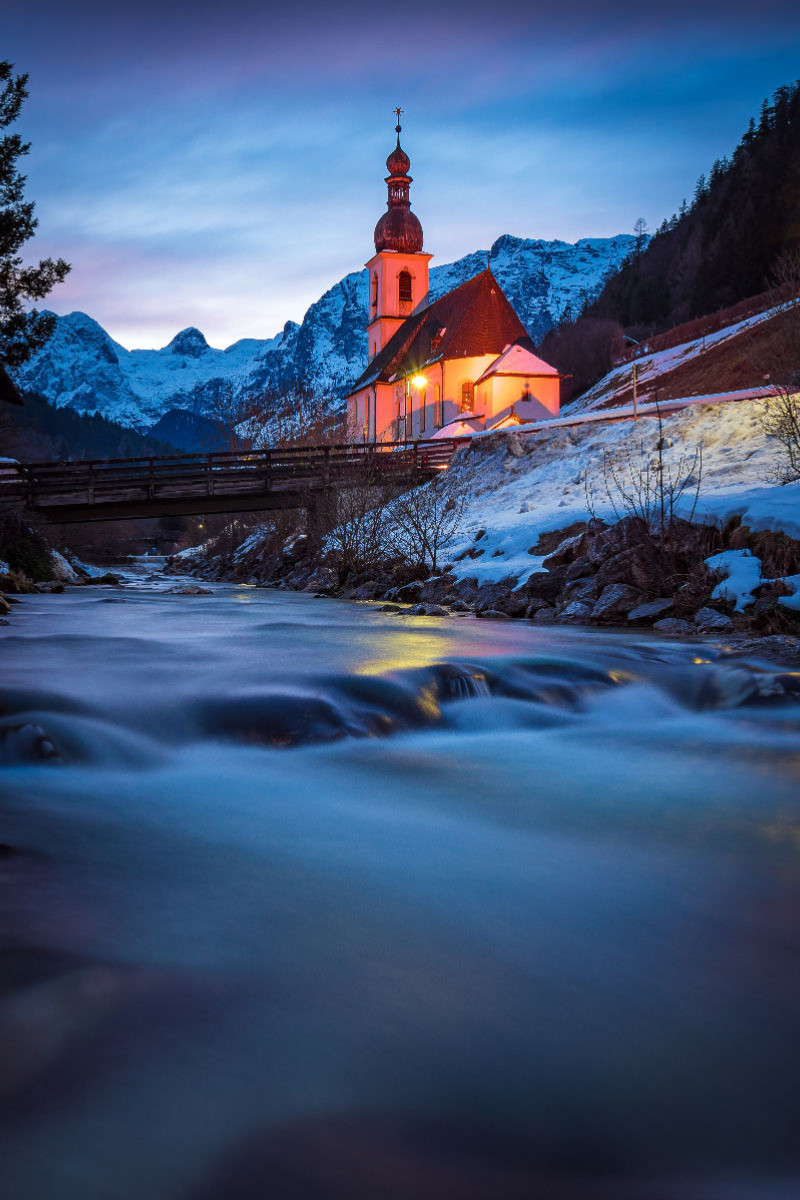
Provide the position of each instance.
(398, 650)
(430, 640)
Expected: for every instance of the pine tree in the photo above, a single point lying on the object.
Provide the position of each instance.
(21, 332)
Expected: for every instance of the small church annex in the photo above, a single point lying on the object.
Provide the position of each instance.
(447, 367)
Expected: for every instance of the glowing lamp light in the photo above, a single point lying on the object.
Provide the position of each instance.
(418, 381)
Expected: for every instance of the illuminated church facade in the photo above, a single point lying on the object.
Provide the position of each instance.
(447, 367)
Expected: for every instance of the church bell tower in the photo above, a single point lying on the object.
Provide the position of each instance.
(398, 271)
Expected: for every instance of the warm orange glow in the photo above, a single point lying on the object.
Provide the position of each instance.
(418, 381)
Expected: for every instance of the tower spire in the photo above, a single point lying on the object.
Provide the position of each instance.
(398, 228)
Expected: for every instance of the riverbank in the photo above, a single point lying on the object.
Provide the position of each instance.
(587, 526)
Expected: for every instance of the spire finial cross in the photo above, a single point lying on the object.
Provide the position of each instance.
(398, 112)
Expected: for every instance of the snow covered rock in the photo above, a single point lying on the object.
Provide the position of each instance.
(791, 601)
(742, 575)
(63, 572)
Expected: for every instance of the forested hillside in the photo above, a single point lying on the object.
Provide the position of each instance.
(723, 246)
(39, 431)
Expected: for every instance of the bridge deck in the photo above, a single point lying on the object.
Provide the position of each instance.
(224, 481)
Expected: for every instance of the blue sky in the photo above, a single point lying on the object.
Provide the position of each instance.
(222, 165)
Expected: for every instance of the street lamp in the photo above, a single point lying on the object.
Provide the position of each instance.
(634, 342)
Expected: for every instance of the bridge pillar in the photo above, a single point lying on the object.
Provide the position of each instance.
(320, 514)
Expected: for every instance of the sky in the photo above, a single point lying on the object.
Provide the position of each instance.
(222, 165)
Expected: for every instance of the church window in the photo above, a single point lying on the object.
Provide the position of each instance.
(423, 408)
(467, 395)
(437, 406)
(404, 294)
(374, 294)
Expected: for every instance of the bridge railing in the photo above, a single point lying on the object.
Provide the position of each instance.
(42, 482)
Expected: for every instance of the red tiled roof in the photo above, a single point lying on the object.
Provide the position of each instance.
(476, 317)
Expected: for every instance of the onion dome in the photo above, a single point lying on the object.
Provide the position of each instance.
(398, 161)
(398, 228)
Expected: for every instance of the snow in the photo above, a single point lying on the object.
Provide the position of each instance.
(793, 601)
(558, 480)
(742, 575)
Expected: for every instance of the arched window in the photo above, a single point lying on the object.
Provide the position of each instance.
(374, 294)
(467, 395)
(404, 287)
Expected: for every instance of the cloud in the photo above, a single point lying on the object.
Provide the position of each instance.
(223, 165)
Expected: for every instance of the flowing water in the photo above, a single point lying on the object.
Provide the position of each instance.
(300, 899)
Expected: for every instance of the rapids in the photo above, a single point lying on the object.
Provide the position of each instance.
(299, 899)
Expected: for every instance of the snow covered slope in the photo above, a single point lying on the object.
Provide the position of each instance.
(521, 486)
(83, 367)
(726, 360)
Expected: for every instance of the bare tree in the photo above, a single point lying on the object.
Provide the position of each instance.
(644, 485)
(780, 360)
(425, 521)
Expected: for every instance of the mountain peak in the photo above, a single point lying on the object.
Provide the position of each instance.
(190, 343)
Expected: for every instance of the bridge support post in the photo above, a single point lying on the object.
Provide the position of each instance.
(320, 515)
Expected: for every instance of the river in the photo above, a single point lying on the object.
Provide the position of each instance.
(305, 900)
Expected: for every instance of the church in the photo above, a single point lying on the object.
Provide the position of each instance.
(441, 368)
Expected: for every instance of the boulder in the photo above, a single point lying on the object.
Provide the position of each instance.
(437, 588)
(675, 625)
(651, 609)
(458, 606)
(535, 606)
(188, 589)
(492, 614)
(297, 579)
(494, 595)
(5, 607)
(566, 552)
(104, 579)
(708, 619)
(515, 604)
(544, 616)
(366, 591)
(616, 601)
(577, 612)
(435, 610)
(324, 579)
(13, 583)
(63, 572)
(416, 610)
(544, 585)
(580, 589)
(389, 608)
(579, 569)
(409, 593)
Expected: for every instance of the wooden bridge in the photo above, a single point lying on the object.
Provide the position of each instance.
(222, 482)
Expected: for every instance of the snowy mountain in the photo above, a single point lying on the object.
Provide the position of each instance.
(83, 367)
